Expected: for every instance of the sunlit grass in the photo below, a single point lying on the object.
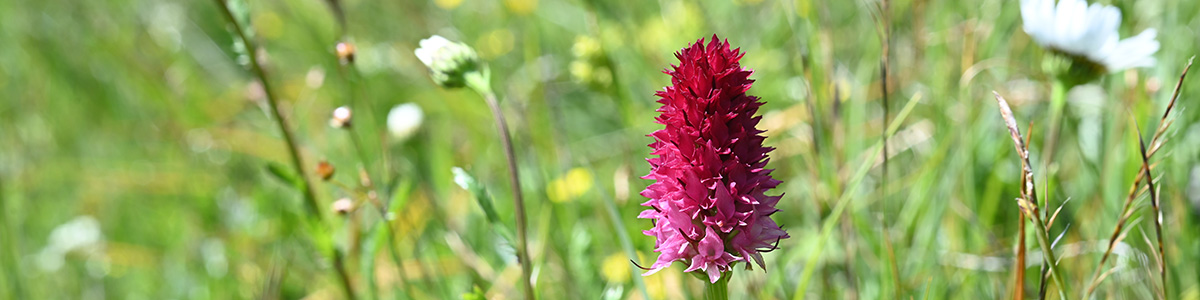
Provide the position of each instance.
(137, 114)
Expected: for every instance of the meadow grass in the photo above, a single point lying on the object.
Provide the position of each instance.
(148, 117)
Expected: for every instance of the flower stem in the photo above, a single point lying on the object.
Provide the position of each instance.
(288, 138)
(479, 81)
(382, 208)
(718, 290)
(8, 251)
(1058, 103)
(844, 200)
(1051, 263)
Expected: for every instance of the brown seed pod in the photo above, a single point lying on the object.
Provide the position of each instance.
(325, 170)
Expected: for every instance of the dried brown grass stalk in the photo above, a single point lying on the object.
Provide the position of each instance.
(1019, 280)
(1155, 144)
(1162, 267)
(1019, 265)
(1028, 200)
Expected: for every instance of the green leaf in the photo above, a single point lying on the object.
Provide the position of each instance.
(399, 196)
(281, 173)
(467, 182)
(475, 294)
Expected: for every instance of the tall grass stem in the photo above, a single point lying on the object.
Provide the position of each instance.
(810, 265)
(289, 139)
(479, 82)
(1155, 145)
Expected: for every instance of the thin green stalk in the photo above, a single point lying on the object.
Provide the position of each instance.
(1019, 266)
(1154, 201)
(886, 250)
(9, 251)
(1047, 250)
(297, 162)
(478, 81)
(1028, 201)
(380, 206)
(623, 236)
(810, 266)
(339, 264)
(374, 181)
(717, 290)
(396, 258)
(1155, 144)
(272, 103)
(1058, 103)
(369, 184)
(350, 76)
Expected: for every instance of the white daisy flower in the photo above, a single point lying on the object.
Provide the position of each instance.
(404, 120)
(1075, 29)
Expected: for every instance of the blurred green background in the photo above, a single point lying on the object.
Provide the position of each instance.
(135, 150)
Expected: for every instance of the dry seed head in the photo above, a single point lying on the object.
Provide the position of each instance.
(325, 170)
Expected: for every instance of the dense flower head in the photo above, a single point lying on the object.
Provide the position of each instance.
(708, 202)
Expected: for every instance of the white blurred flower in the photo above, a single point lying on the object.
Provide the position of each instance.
(343, 206)
(215, 262)
(1090, 32)
(341, 117)
(448, 61)
(80, 234)
(404, 120)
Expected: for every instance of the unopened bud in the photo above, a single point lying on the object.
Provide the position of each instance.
(343, 206)
(447, 61)
(341, 117)
(345, 52)
(325, 170)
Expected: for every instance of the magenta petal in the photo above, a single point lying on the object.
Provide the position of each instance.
(713, 275)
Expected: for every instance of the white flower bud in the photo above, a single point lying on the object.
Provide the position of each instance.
(448, 61)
